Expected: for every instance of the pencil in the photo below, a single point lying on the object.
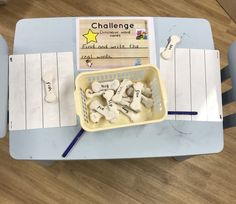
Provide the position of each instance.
(73, 142)
(182, 112)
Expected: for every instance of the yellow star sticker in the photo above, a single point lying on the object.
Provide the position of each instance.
(90, 36)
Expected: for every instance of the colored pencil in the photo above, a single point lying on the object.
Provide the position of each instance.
(73, 142)
(182, 112)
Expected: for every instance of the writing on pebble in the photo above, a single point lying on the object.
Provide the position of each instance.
(50, 95)
(146, 91)
(147, 102)
(173, 41)
(108, 96)
(136, 103)
(125, 97)
(126, 83)
(113, 85)
(98, 107)
(134, 117)
(90, 94)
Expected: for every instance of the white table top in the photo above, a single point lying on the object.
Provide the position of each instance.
(168, 138)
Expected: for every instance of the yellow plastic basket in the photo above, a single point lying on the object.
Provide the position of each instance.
(147, 74)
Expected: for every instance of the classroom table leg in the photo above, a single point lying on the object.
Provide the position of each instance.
(182, 158)
(46, 162)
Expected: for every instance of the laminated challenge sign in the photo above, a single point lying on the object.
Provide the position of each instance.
(112, 42)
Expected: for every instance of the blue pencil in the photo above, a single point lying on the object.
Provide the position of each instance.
(71, 145)
(182, 113)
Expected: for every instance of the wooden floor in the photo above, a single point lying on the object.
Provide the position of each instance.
(202, 179)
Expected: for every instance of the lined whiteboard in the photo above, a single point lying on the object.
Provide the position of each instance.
(192, 80)
(27, 107)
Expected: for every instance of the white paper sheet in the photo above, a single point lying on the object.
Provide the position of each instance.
(27, 106)
(192, 80)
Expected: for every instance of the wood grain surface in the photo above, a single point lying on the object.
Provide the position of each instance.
(201, 179)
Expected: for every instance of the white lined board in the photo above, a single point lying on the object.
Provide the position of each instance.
(27, 107)
(168, 74)
(33, 91)
(196, 85)
(67, 109)
(182, 83)
(51, 114)
(17, 92)
(213, 82)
